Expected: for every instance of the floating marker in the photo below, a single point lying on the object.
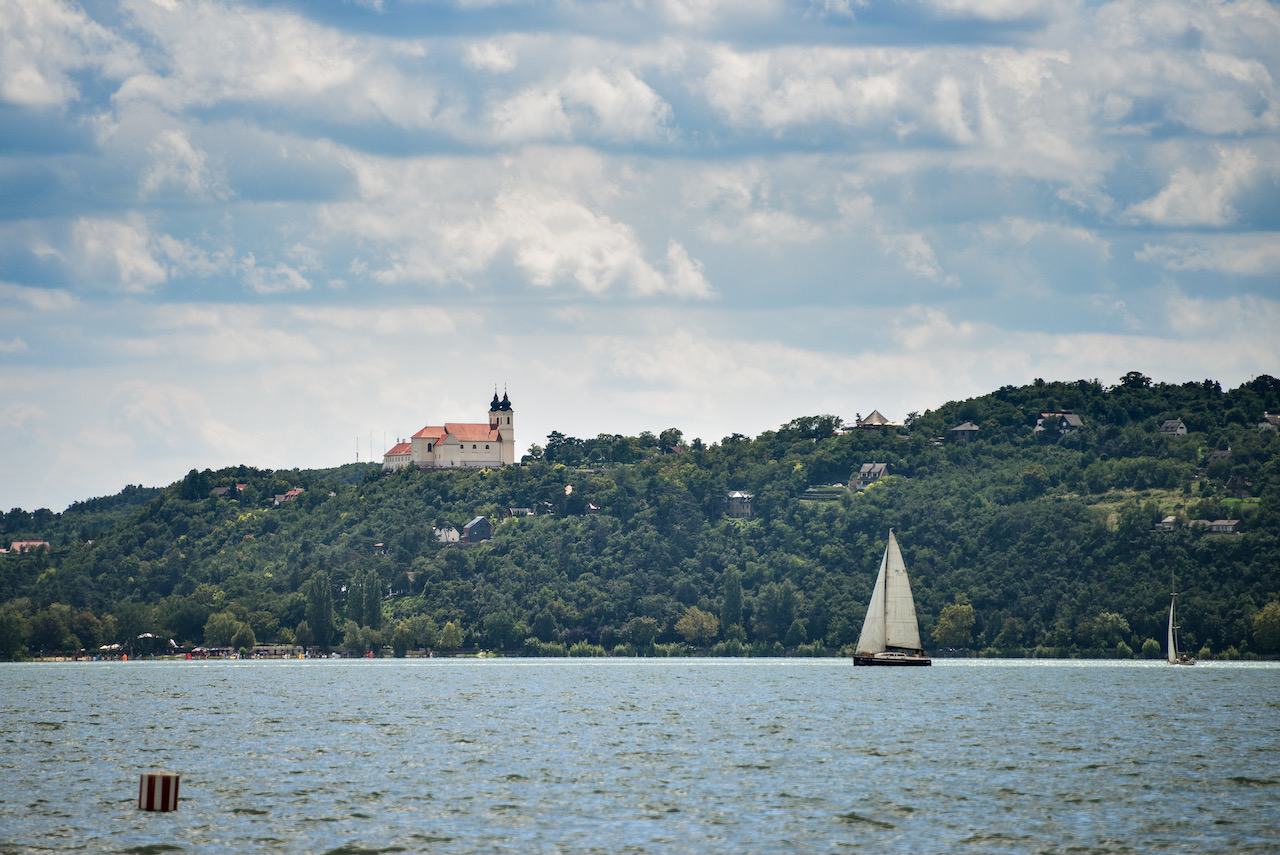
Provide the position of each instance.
(158, 791)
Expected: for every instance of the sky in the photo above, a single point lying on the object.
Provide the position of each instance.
(288, 234)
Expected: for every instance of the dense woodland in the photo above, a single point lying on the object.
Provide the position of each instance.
(1016, 544)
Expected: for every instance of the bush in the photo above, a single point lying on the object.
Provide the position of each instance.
(536, 648)
(1151, 649)
(586, 648)
(732, 647)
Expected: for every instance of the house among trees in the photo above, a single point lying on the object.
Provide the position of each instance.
(1219, 526)
(1270, 423)
(446, 534)
(1174, 427)
(740, 505)
(1239, 486)
(869, 473)
(289, 495)
(965, 432)
(1064, 422)
(479, 529)
(875, 420)
(20, 546)
(486, 445)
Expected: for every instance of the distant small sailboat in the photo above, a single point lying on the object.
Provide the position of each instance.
(890, 631)
(1172, 656)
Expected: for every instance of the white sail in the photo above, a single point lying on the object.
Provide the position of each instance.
(901, 629)
(872, 638)
(1171, 654)
(891, 614)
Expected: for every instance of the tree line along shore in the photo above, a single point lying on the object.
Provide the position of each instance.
(1052, 519)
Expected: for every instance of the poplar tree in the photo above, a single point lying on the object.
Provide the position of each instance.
(320, 608)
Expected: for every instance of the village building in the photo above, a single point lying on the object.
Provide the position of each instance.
(868, 474)
(965, 432)
(1174, 427)
(477, 530)
(1064, 422)
(20, 546)
(486, 445)
(740, 504)
(875, 420)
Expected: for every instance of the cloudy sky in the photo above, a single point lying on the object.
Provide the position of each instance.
(285, 234)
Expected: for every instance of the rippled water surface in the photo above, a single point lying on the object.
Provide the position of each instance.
(663, 756)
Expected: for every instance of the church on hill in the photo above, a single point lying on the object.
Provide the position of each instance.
(488, 445)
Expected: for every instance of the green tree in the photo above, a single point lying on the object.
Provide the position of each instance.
(641, 631)
(731, 604)
(697, 626)
(797, 633)
(775, 609)
(500, 629)
(1109, 629)
(955, 625)
(320, 608)
(450, 636)
(401, 638)
(1266, 628)
(14, 629)
(220, 628)
(244, 639)
(303, 636)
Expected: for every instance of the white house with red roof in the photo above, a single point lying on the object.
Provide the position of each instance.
(488, 445)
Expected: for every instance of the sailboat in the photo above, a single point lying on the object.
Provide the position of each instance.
(1172, 656)
(890, 632)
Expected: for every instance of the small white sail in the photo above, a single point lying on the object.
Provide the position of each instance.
(901, 628)
(1171, 654)
(872, 638)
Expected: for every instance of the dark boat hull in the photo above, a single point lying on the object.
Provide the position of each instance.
(895, 661)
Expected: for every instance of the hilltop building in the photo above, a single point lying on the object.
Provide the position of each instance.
(487, 445)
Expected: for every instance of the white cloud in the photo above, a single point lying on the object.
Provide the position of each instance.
(614, 105)
(277, 279)
(1252, 254)
(38, 299)
(546, 213)
(15, 345)
(913, 252)
(21, 413)
(117, 254)
(178, 165)
(43, 43)
(1024, 232)
(490, 56)
(1247, 322)
(219, 53)
(1200, 198)
(685, 275)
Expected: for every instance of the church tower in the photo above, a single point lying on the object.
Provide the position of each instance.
(502, 419)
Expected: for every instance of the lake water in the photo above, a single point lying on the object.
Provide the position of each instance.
(642, 756)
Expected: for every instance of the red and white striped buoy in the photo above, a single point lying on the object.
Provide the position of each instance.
(158, 791)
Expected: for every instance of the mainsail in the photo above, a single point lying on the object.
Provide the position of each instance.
(1172, 648)
(891, 622)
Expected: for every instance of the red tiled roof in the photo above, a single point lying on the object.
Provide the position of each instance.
(435, 434)
(400, 448)
(473, 432)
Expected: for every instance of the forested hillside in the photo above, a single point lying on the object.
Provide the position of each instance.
(1054, 544)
